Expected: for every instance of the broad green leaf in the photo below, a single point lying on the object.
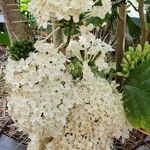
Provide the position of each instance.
(136, 97)
(134, 26)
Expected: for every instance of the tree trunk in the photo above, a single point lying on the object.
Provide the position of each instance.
(120, 40)
(16, 27)
(144, 28)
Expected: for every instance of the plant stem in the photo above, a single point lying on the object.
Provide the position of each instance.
(70, 32)
(58, 37)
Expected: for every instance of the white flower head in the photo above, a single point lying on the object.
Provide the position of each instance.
(96, 120)
(89, 49)
(60, 9)
(65, 9)
(41, 91)
(101, 11)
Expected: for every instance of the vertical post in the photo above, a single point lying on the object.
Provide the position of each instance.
(16, 27)
(144, 28)
(120, 40)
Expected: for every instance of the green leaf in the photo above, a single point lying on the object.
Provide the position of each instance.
(148, 15)
(136, 97)
(147, 2)
(96, 21)
(134, 26)
(4, 39)
(21, 49)
(75, 68)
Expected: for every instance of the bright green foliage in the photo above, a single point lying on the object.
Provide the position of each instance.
(137, 97)
(95, 70)
(23, 4)
(21, 49)
(134, 57)
(4, 38)
(75, 68)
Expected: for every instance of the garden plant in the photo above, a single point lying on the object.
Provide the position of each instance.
(67, 90)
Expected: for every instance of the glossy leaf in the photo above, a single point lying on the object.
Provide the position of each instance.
(134, 26)
(137, 97)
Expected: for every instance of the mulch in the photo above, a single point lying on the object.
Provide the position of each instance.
(137, 141)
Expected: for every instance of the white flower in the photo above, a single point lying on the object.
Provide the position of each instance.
(101, 63)
(61, 113)
(97, 120)
(47, 62)
(85, 29)
(61, 9)
(88, 48)
(64, 9)
(101, 12)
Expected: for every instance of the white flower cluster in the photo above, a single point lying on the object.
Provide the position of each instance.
(88, 48)
(101, 11)
(41, 91)
(99, 118)
(64, 9)
(38, 65)
(58, 112)
(61, 9)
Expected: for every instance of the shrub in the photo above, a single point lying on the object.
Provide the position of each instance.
(21, 49)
